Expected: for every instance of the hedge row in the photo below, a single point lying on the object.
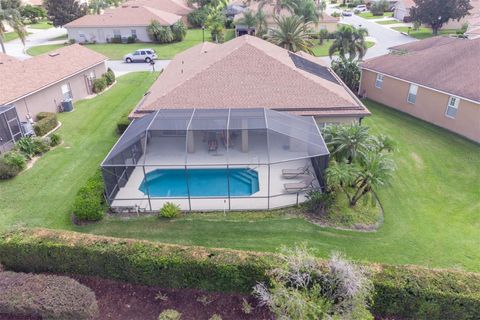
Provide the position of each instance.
(89, 203)
(48, 296)
(46, 122)
(408, 292)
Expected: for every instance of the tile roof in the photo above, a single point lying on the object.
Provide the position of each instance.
(127, 16)
(442, 63)
(21, 78)
(248, 72)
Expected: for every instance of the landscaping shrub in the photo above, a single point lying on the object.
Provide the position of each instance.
(131, 39)
(170, 314)
(41, 144)
(169, 210)
(11, 164)
(179, 31)
(55, 139)
(49, 296)
(46, 122)
(99, 84)
(27, 146)
(198, 17)
(123, 124)
(378, 8)
(109, 76)
(89, 203)
(406, 292)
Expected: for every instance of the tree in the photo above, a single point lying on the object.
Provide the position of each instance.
(436, 13)
(307, 9)
(348, 71)
(249, 20)
(159, 33)
(262, 24)
(10, 4)
(33, 13)
(179, 31)
(13, 18)
(349, 40)
(346, 143)
(291, 33)
(61, 12)
(96, 6)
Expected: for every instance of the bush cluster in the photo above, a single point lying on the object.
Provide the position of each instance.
(48, 296)
(107, 79)
(198, 17)
(31, 147)
(167, 34)
(109, 76)
(123, 124)
(11, 164)
(170, 210)
(89, 203)
(407, 292)
(46, 122)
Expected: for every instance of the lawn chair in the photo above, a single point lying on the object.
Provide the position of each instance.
(305, 184)
(293, 173)
(212, 145)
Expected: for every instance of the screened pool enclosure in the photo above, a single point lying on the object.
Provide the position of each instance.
(215, 159)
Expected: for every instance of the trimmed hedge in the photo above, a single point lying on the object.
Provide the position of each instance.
(89, 203)
(408, 292)
(123, 124)
(51, 297)
(46, 122)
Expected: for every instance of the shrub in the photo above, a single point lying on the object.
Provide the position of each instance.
(42, 145)
(378, 8)
(11, 164)
(27, 146)
(48, 296)
(165, 35)
(89, 203)
(123, 124)
(99, 84)
(55, 139)
(319, 202)
(131, 39)
(109, 76)
(198, 17)
(46, 122)
(170, 210)
(170, 314)
(179, 31)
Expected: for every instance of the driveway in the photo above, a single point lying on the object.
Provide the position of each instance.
(120, 67)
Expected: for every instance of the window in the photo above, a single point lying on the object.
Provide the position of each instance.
(66, 92)
(412, 94)
(134, 33)
(117, 33)
(379, 81)
(452, 107)
(136, 53)
(143, 53)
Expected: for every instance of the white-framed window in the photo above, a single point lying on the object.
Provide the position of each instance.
(117, 33)
(134, 33)
(412, 94)
(452, 107)
(379, 81)
(66, 91)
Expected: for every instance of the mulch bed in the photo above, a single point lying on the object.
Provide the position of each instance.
(122, 301)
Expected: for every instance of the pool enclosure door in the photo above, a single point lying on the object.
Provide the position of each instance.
(10, 128)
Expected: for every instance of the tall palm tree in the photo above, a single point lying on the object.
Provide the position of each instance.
(262, 24)
(291, 33)
(12, 17)
(307, 9)
(349, 41)
(249, 20)
(348, 143)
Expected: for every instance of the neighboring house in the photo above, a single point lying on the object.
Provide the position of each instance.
(119, 23)
(248, 72)
(436, 79)
(402, 10)
(43, 82)
(326, 21)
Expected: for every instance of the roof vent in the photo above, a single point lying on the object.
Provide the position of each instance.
(54, 54)
(135, 7)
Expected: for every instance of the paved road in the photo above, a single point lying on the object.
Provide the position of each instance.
(121, 68)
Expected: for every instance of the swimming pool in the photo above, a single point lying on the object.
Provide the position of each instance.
(201, 182)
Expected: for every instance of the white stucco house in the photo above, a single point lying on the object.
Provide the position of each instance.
(120, 23)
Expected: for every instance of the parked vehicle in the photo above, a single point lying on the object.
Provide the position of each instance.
(347, 13)
(361, 8)
(141, 55)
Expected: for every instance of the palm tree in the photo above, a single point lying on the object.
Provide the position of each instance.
(249, 20)
(307, 9)
(347, 143)
(291, 33)
(348, 71)
(349, 40)
(262, 24)
(12, 17)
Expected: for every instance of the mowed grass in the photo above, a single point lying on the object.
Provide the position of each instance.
(42, 195)
(322, 50)
(387, 22)
(424, 32)
(432, 208)
(116, 51)
(9, 36)
(41, 25)
(369, 15)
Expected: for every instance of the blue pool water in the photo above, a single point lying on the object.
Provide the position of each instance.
(201, 182)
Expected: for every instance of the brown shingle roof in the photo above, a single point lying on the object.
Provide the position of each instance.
(127, 16)
(442, 63)
(250, 72)
(179, 7)
(21, 78)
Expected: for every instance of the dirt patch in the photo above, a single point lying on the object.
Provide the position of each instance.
(418, 161)
(122, 301)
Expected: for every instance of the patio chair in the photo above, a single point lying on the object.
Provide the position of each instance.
(305, 184)
(293, 173)
(212, 145)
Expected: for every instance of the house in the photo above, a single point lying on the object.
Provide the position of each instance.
(402, 10)
(118, 24)
(326, 22)
(248, 72)
(436, 80)
(43, 82)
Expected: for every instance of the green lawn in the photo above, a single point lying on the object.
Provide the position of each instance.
(164, 51)
(388, 22)
(42, 195)
(9, 36)
(423, 32)
(369, 15)
(322, 50)
(432, 212)
(41, 25)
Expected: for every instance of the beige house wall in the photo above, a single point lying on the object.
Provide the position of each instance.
(430, 105)
(49, 98)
